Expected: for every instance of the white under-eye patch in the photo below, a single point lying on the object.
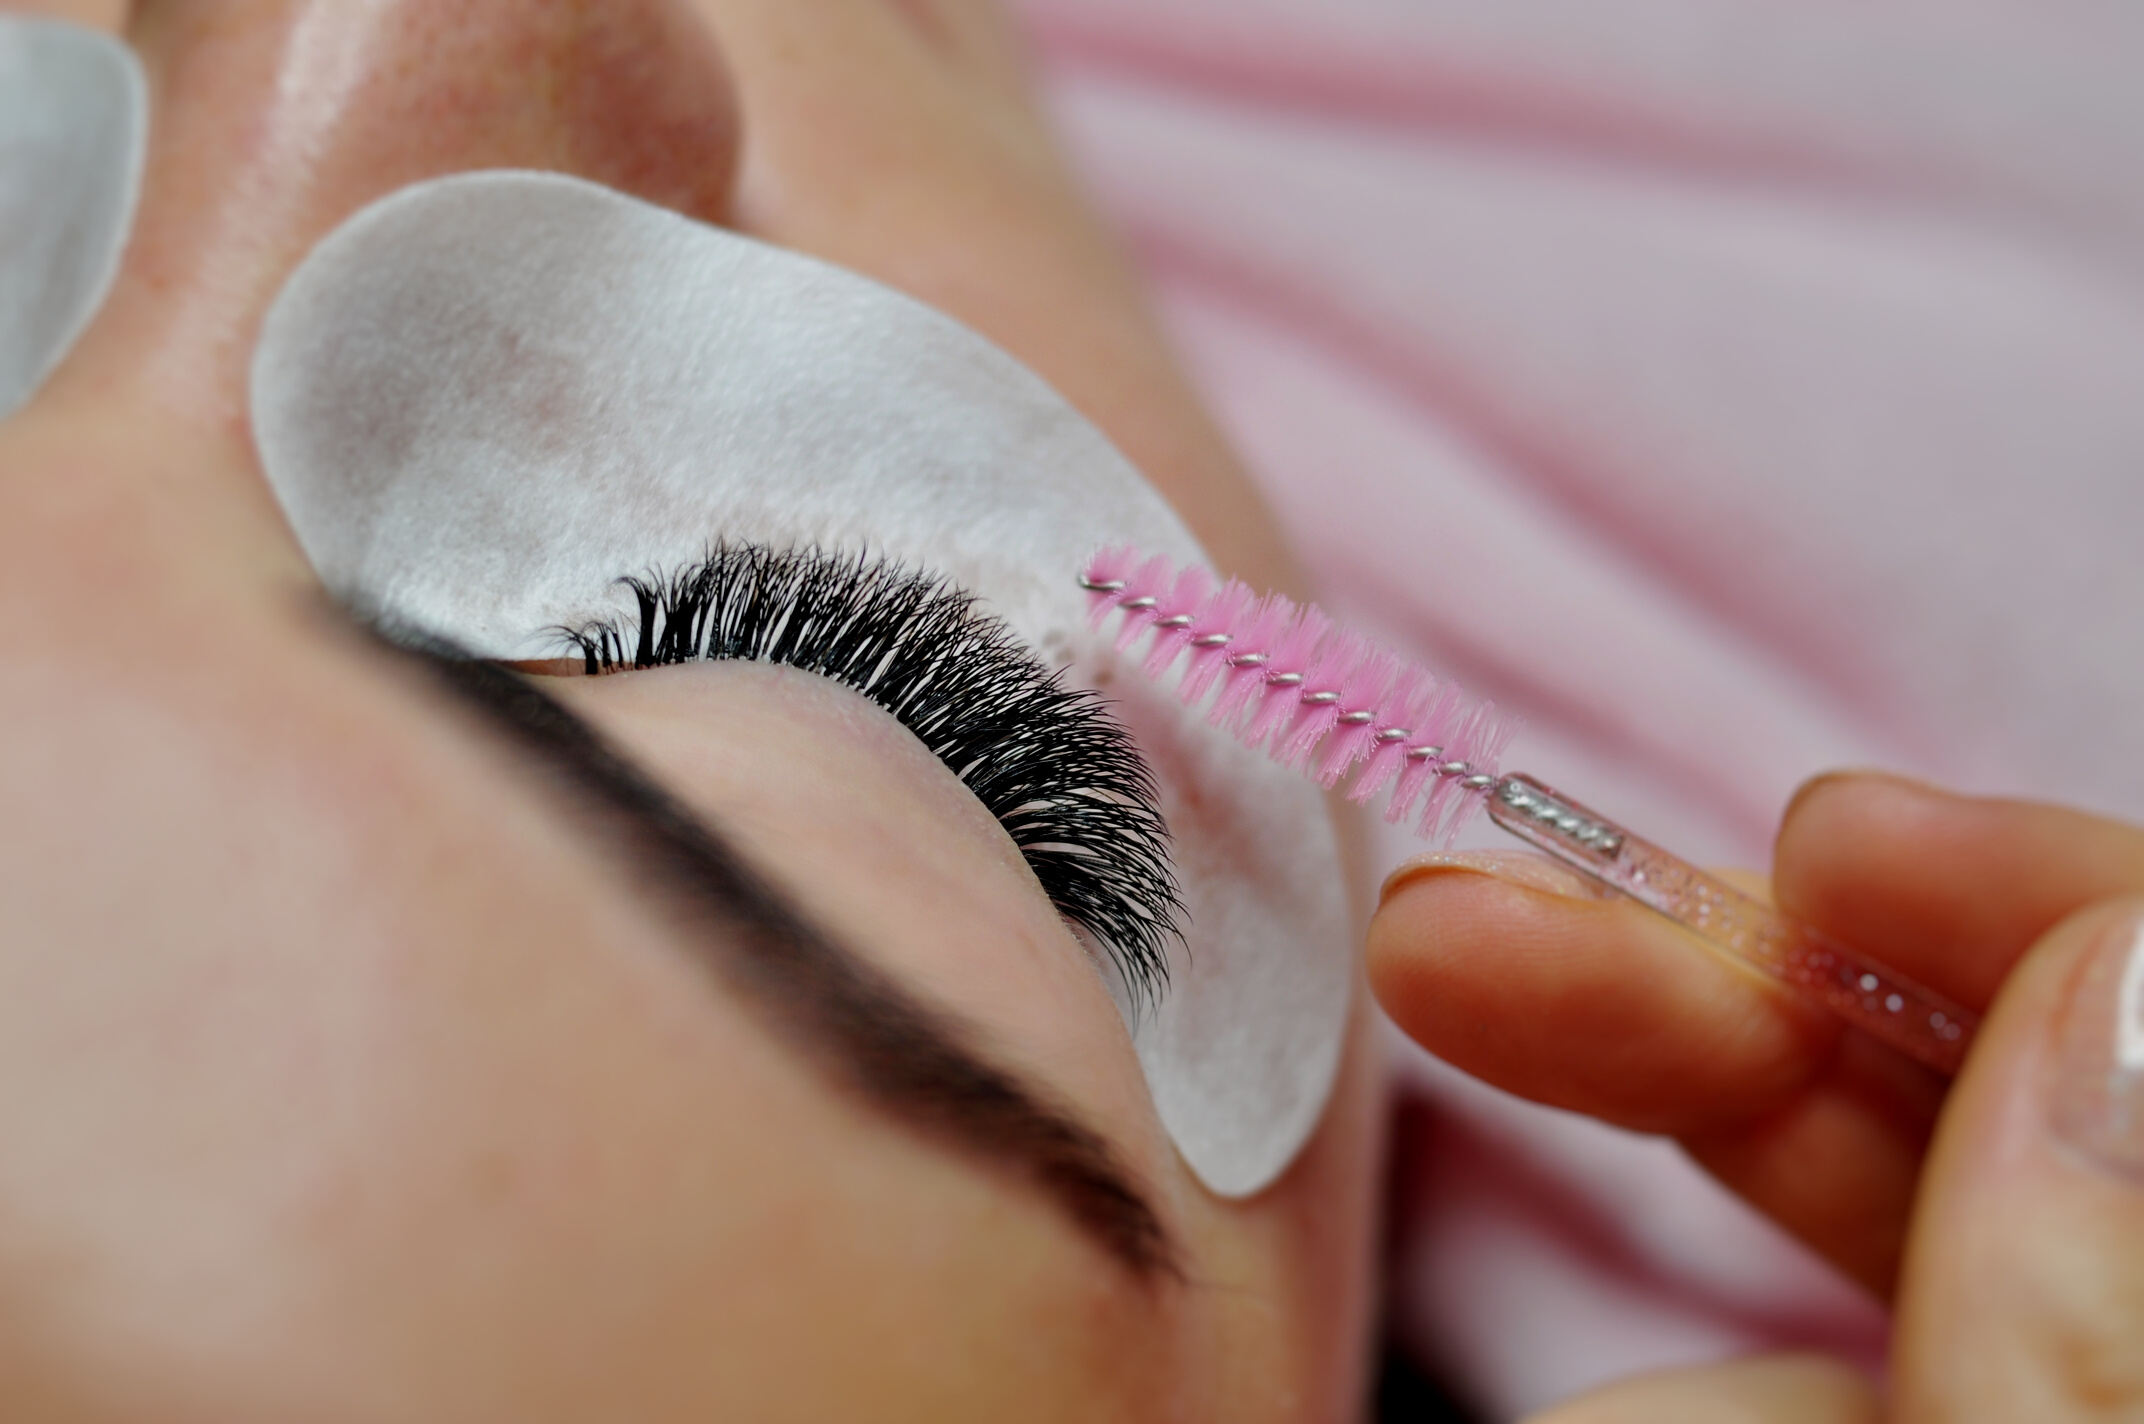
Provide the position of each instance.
(73, 116)
(483, 399)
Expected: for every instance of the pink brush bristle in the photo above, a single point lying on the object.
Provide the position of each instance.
(1177, 628)
(1405, 703)
(1332, 667)
(1316, 697)
(1108, 581)
(1433, 728)
(1142, 599)
(1223, 614)
(1494, 733)
(1274, 705)
(1368, 687)
(1267, 620)
(1434, 806)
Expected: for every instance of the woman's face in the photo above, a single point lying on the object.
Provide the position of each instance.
(356, 1059)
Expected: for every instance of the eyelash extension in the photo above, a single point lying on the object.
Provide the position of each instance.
(1060, 775)
(1332, 703)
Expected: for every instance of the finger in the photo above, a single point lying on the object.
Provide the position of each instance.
(1840, 1163)
(1601, 1007)
(1605, 1010)
(1949, 889)
(1769, 1389)
(1587, 1003)
(2023, 1294)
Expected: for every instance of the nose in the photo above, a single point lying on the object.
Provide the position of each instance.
(273, 120)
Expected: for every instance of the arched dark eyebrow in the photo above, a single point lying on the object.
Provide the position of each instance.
(855, 1023)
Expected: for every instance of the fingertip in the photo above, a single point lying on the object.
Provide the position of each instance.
(1819, 788)
(1595, 1005)
(1437, 914)
(1851, 797)
(1763, 1389)
(1948, 888)
(1513, 867)
(1455, 948)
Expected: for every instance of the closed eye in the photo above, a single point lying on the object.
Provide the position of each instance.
(1061, 776)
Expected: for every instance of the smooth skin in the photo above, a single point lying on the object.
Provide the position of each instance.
(343, 1074)
(2014, 1262)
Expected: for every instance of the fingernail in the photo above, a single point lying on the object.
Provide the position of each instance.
(1865, 775)
(1513, 867)
(2098, 1084)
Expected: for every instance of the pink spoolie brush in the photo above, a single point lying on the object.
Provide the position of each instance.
(1319, 698)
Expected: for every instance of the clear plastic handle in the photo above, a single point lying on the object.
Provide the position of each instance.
(1880, 1001)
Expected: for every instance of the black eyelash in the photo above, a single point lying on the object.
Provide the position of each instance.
(1058, 773)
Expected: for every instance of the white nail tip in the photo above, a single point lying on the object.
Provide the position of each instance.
(73, 116)
(485, 397)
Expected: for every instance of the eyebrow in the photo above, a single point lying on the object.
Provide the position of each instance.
(880, 1042)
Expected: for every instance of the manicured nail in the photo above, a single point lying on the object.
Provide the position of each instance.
(1513, 867)
(2098, 1106)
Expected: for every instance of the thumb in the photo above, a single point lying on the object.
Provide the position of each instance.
(2023, 1291)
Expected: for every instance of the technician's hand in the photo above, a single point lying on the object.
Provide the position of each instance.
(2021, 1295)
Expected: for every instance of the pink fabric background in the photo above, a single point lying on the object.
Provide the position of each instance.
(1739, 387)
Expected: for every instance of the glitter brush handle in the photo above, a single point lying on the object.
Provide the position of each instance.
(1882, 1002)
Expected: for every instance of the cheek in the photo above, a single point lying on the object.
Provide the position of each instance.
(392, 1104)
(543, 1189)
(1285, 1340)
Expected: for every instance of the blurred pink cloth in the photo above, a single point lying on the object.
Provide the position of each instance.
(1739, 389)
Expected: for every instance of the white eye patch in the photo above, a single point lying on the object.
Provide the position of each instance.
(73, 116)
(485, 398)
